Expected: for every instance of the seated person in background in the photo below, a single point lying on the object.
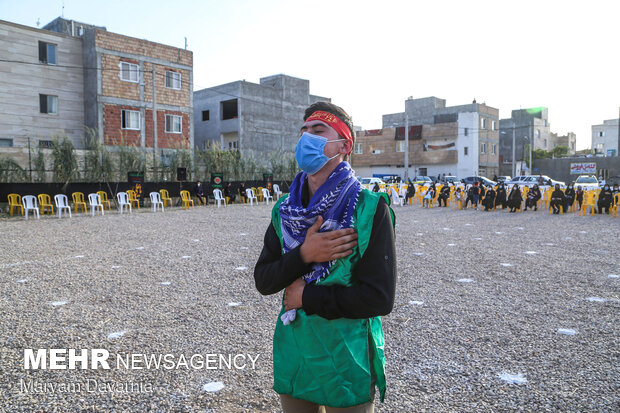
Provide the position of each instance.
(489, 199)
(244, 197)
(605, 198)
(199, 193)
(228, 193)
(514, 199)
(444, 194)
(500, 196)
(428, 197)
(533, 195)
(557, 199)
(458, 196)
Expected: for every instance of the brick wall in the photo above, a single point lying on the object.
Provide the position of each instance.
(112, 131)
(111, 83)
(166, 95)
(164, 139)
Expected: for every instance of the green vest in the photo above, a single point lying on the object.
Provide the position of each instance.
(336, 362)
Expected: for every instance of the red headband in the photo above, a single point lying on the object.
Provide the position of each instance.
(333, 121)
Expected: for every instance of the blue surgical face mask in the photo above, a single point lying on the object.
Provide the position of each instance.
(310, 154)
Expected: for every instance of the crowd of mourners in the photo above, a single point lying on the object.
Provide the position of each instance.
(511, 197)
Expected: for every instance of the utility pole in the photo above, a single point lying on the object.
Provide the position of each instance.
(29, 160)
(618, 148)
(406, 147)
(154, 120)
(514, 130)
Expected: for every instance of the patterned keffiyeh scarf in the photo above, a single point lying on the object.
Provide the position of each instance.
(335, 201)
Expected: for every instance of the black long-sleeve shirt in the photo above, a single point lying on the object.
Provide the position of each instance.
(374, 279)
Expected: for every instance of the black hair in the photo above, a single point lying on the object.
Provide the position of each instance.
(334, 110)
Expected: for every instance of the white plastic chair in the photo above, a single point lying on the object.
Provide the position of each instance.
(95, 203)
(156, 200)
(266, 196)
(250, 196)
(123, 201)
(62, 202)
(30, 203)
(396, 199)
(276, 191)
(217, 193)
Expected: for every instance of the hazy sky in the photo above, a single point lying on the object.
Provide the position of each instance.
(369, 56)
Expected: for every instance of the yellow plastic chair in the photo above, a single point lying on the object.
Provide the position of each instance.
(165, 197)
(133, 198)
(45, 203)
(15, 201)
(614, 208)
(589, 200)
(258, 193)
(186, 199)
(78, 200)
(103, 198)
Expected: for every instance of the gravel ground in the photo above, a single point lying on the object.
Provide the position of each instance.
(477, 324)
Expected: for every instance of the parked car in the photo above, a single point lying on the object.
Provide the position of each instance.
(369, 183)
(421, 180)
(481, 179)
(587, 182)
(531, 180)
(450, 178)
(503, 178)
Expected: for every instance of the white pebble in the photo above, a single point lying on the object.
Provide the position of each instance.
(446, 229)
(244, 248)
(186, 257)
(468, 225)
(79, 256)
(583, 232)
(518, 378)
(567, 331)
(415, 302)
(419, 234)
(465, 280)
(613, 276)
(418, 253)
(506, 264)
(478, 239)
(58, 303)
(233, 304)
(118, 334)
(196, 240)
(530, 252)
(115, 266)
(548, 244)
(451, 245)
(165, 283)
(138, 248)
(213, 387)
(22, 281)
(498, 232)
(241, 268)
(243, 234)
(596, 299)
(519, 228)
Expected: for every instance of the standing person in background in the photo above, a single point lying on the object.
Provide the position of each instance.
(605, 198)
(579, 196)
(330, 246)
(514, 199)
(500, 196)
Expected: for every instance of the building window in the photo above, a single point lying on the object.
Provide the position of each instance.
(205, 115)
(465, 150)
(400, 146)
(538, 134)
(358, 149)
(376, 151)
(483, 148)
(173, 80)
(545, 143)
(48, 104)
(46, 144)
(129, 72)
(47, 53)
(130, 119)
(423, 171)
(232, 146)
(466, 131)
(6, 143)
(229, 109)
(601, 134)
(494, 149)
(493, 125)
(173, 124)
(483, 123)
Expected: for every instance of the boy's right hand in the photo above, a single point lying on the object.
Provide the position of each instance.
(327, 246)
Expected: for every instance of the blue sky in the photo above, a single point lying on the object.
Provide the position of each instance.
(369, 56)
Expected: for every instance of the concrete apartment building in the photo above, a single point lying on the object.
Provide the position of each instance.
(41, 89)
(461, 140)
(253, 118)
(606, 138)
(529, 124)
(69, 75)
